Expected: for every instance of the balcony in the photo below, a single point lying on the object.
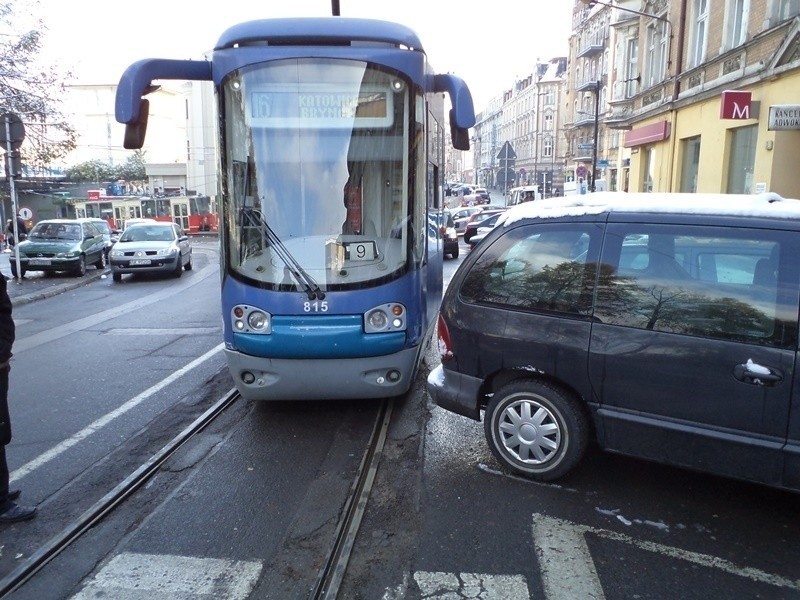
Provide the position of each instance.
(591, 49)
(586, 86)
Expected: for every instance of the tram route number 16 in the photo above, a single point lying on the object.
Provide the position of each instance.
(316, 306)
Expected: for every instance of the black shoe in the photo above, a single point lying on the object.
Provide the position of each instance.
(13, 512)
(13, 494)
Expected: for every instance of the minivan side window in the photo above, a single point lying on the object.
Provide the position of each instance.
(725, 283)
(547, 267)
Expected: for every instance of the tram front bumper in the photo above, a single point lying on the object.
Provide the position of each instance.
(322, 379)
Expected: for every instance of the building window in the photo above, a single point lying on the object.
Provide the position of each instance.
(743, 157)
(697, 52)
(632, 67)
(656, 52)
(547, 147)
(736, 17)
(648, 168)
(548, 122)
(786, 9)
(690, 160)
(549, 97)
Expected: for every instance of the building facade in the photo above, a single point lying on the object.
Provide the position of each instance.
(698, 90)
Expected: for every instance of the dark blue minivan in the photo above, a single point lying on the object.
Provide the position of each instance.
(661, 326)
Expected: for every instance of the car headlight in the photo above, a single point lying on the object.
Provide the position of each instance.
(167, 251)
(117, 253)
(69, 254)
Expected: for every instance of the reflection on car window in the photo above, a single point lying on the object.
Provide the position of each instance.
(148, 234)
(714, 283)
(57, 231)
(541, 267)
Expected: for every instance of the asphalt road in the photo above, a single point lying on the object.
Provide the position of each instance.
(256, 495)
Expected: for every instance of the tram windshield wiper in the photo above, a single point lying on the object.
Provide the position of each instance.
(253, 218)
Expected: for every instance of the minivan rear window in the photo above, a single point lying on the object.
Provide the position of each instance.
(705, 281)
(538, 267)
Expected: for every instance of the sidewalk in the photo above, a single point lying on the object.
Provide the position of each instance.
(36, 286)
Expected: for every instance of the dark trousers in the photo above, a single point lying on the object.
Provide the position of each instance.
(3, 475)
(5, 431)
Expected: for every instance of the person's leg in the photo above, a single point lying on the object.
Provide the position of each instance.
(3, 475)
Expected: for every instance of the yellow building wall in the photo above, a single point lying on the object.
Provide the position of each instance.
(777, 168)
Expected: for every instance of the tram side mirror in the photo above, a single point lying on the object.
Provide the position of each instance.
(135, 132)
(458, 135)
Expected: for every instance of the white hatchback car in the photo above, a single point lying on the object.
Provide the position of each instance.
(155, 247)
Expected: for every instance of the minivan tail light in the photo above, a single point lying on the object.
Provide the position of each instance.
(445, 347)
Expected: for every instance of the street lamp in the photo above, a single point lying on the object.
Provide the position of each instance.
(596, 129)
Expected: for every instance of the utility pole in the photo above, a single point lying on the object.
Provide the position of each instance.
(12, 134)
(596, 130)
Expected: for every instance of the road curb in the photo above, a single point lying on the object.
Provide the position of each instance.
(55, 289)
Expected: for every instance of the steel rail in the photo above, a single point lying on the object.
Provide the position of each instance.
(107, 503)
(332, 572)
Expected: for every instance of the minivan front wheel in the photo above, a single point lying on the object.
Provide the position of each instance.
(536, 430)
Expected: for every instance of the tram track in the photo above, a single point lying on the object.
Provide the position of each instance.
(111, 500)
(331, 574)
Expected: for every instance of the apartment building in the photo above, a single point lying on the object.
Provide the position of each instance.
(692, 95)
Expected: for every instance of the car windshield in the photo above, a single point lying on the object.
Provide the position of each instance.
(56, 231)
(148, 234)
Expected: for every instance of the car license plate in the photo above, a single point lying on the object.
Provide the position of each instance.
(39, 262)
(140, 261)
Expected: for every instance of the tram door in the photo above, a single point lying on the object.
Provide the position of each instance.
(180, 214)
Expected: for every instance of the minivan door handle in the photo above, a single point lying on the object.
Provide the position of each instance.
(756, 374)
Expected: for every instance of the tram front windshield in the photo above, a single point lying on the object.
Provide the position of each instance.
(317, 154)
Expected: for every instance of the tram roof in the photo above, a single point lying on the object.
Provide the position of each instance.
(315, 31)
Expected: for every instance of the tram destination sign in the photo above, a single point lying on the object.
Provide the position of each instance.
(783, 117)
(321, 107)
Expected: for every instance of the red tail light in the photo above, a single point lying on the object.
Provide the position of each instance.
(445, 348)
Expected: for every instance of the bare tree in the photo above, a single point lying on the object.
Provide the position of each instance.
(31, 89)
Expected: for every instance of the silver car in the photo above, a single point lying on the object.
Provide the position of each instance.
(156, 247)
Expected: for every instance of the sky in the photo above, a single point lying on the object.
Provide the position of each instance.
(488, 45)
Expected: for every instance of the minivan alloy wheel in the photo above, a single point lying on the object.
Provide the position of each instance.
(536, 429)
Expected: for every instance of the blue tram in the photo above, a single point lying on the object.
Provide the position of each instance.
(331, 137)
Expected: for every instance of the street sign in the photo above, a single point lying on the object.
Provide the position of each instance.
(507, 152)
(588, 146)
(26, 213)
(11, 130)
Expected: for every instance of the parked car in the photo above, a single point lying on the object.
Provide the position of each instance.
(661, 326)
(447, 230)
(151, 247)
(461, 217)
(105, 229)
(477, 218)
(483, 228)
(60, 245)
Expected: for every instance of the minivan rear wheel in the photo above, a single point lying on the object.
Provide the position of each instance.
(536, 429)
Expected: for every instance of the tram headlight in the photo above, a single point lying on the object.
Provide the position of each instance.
(385, 318)
(258, 320)
(249, 319)
(377, 320)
